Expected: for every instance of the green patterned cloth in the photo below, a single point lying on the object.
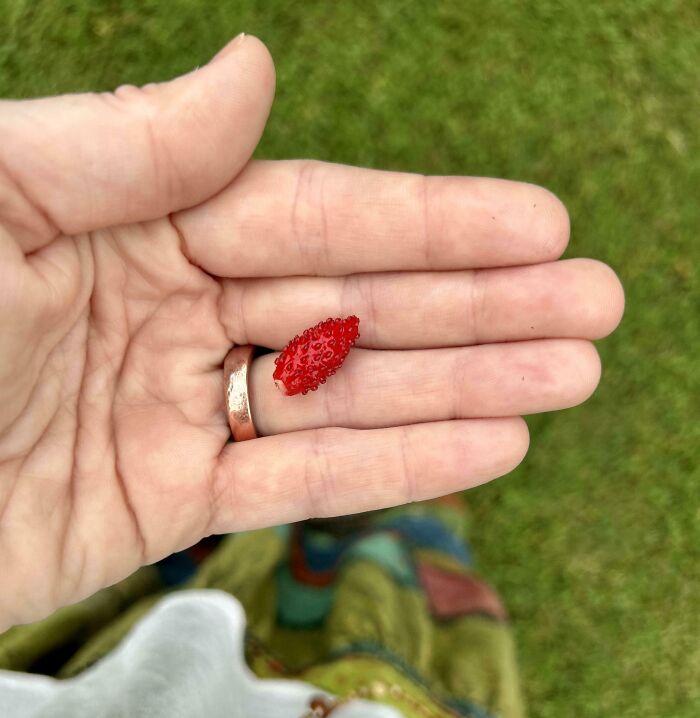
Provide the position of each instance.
(386, 603)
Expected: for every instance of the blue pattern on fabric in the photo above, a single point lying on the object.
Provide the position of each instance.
(322, 551)
(429, 532)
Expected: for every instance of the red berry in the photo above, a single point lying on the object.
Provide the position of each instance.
(309, 359)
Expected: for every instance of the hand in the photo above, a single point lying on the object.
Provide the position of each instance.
(138, 242)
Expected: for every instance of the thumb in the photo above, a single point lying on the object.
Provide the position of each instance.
(75, 163)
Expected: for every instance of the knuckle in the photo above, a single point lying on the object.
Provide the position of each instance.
(477, 305)
(319, 475)
(406, 467)
(232, 312)
(462, 369)
(139, 108)
(423, 200)
(358, 296)
(309, 218)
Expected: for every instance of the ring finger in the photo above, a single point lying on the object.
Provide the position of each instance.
(391, 388)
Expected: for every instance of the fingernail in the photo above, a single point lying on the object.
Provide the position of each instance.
(226, 49)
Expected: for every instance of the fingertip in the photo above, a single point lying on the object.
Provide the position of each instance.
(586, 368)
(532, 218)
(553, 224)
(229, 47)
(254, 53)
(519, 442)
(597, 294)
(240, 89)
(612, 304)
(494, 447)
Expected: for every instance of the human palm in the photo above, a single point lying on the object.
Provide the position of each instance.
(138, 243)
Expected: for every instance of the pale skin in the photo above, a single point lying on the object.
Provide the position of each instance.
(139, 242)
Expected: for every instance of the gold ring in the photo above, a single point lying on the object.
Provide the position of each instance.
(236, 395)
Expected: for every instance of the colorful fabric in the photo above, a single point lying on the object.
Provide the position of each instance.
(393, 600)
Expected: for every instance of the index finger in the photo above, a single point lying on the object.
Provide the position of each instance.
(299, 217)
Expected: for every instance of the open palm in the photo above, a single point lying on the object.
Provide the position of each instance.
(138, 243)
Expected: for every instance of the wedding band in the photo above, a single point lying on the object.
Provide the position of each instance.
(236, 395)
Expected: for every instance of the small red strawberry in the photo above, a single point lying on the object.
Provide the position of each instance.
(308, 360)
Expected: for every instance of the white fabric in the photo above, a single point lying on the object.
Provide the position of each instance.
(184, 659)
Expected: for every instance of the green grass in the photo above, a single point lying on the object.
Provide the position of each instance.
(595, 540)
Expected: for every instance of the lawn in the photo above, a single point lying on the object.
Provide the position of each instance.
(595, 540)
